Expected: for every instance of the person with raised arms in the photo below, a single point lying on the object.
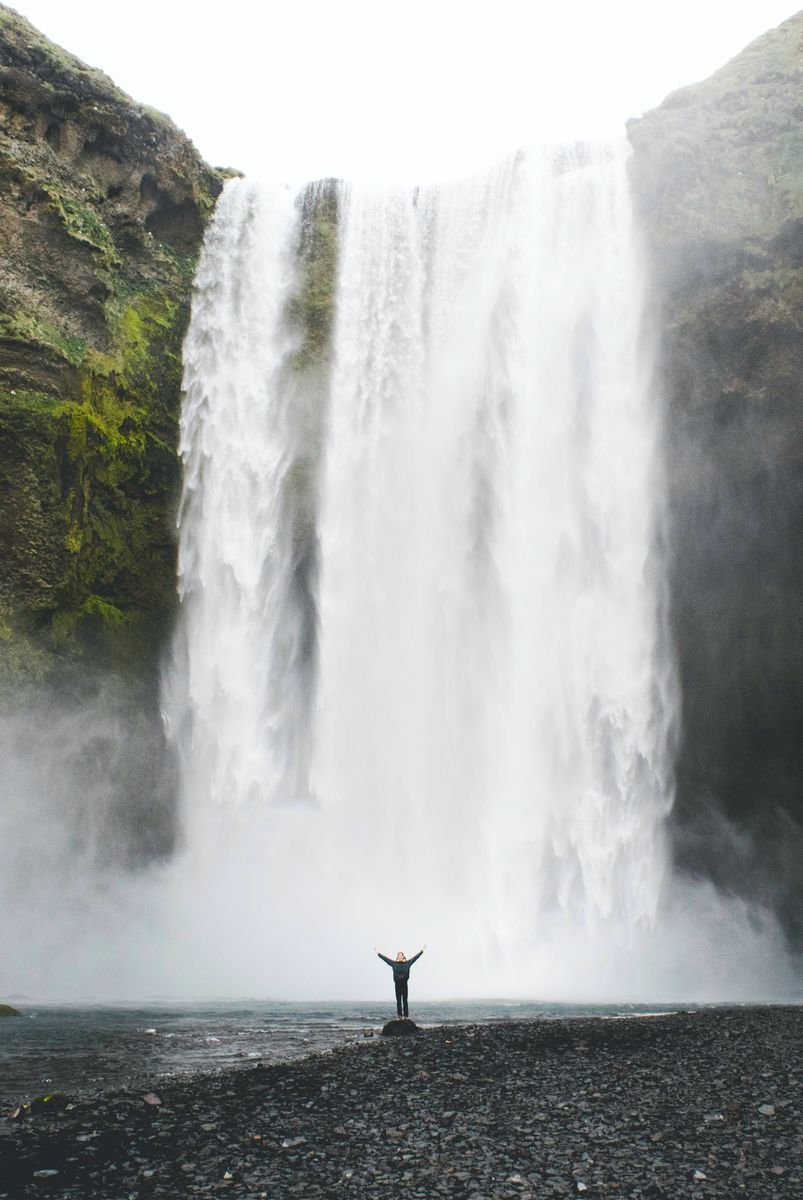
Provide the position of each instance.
(401, 975)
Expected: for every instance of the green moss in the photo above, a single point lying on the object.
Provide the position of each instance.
(311, 310)
(52, 60)
(90, 343)
(24, 663)
(26, 327)
(119, 463)
(106, 631)
(32, 402)
(8, 1010)
(140, 336)
(105, 461)
(722, 161)
(83, 223)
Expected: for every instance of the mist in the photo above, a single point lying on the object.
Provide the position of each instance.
(337, 759)
(92, 922)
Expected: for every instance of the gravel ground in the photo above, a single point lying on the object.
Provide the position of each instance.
(690, 1105)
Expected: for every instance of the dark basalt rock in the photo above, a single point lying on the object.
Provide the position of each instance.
(103, 205)
(638, 1107)
(403, 1027)
(716, 171)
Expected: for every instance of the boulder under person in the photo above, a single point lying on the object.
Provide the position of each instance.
(401, 974)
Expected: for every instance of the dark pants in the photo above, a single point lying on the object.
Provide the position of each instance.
(401, 997)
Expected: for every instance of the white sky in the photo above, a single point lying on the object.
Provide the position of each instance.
(398, 89)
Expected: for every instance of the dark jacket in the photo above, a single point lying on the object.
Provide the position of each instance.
(401, 970)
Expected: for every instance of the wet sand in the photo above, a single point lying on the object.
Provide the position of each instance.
(704, 1104)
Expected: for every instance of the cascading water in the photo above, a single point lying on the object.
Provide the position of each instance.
(240, 662)
(420, 691)
(467, 742)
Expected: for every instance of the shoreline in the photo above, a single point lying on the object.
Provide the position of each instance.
(697, 1104)
(82, 1051)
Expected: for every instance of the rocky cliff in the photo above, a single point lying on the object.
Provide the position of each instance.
(718, 171)
(103, 205)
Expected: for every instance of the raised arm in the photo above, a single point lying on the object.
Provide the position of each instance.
(384, 958)
(416, 957)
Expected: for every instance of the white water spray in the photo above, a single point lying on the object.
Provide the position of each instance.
(240, 666)
(484, 737)
(419, 689)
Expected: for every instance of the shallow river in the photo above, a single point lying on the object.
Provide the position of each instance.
(94, 1048)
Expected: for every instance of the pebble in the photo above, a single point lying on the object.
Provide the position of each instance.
(634, 1107)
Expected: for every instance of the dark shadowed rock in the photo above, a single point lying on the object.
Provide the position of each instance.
(53, 1103)
(717, 176)
(8, 1010)
(400, 1028)
(536, 1108)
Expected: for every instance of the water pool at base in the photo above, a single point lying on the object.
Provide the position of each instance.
(80, 1049)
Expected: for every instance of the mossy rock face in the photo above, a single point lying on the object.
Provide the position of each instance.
(7, 1010)
(311, 313)
(718, 178)
(719, 166)
(103, 206)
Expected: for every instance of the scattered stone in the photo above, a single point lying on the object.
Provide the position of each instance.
(402, 1028)
(767, 1110)
(55, 1102)
(527, 1113)
(152, 1098)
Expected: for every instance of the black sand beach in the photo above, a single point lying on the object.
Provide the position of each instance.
(704, 1104)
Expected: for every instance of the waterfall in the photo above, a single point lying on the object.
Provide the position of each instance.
(455, 725)
(242, 633)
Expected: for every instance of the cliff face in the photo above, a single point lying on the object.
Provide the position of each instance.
(103, 205)
(718, 171)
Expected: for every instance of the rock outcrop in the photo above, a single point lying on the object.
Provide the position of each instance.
(403, 1027)
(103, 205)
(718, 170)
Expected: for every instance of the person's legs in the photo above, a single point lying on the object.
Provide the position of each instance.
(401, 990)
(404, 999)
